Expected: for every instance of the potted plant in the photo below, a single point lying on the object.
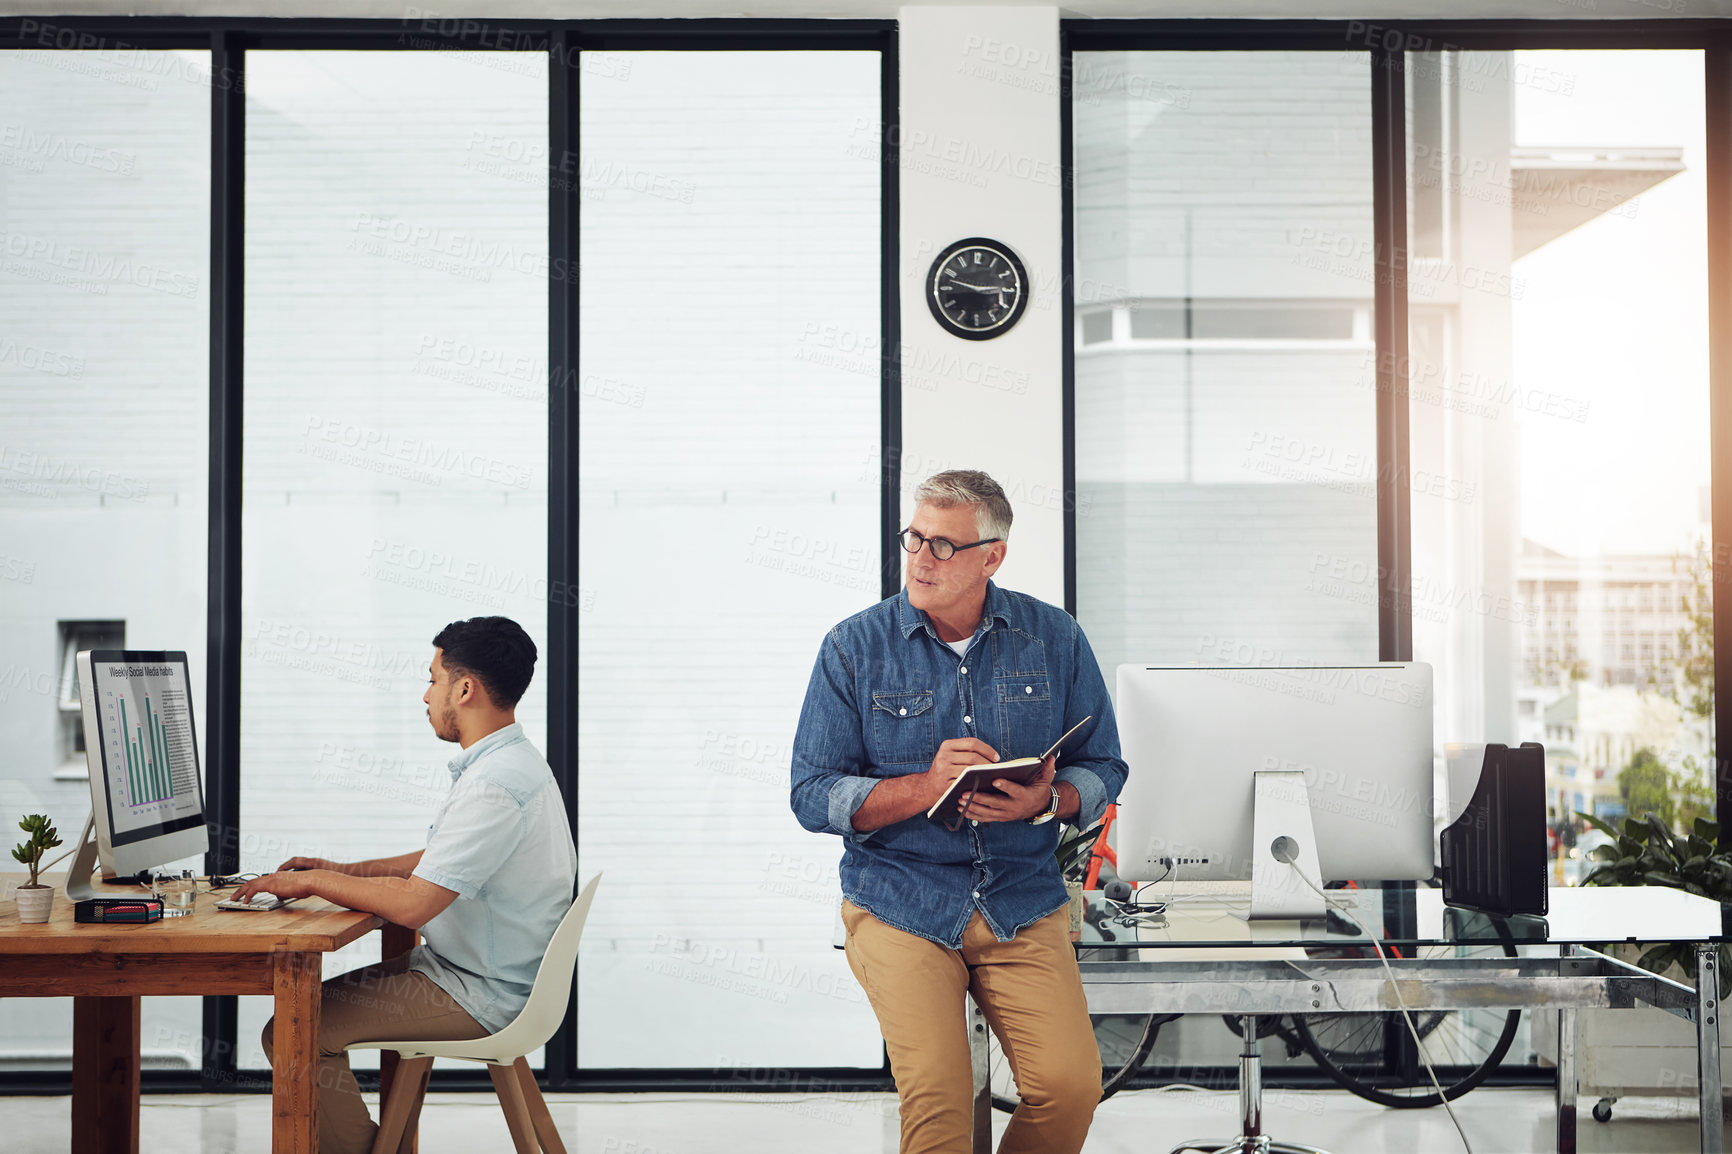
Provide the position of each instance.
(1646, 1051)
(1646, 853)
(35, 899)
(1075, 847)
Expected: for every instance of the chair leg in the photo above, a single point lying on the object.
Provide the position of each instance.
(407, 1088)
(510, 1092)
(538, 1111)
(411, 1128)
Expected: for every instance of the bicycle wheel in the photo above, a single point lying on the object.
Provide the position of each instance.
(1125, 1041)
(1373, 1055)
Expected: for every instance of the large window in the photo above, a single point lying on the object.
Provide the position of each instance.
(1225, 459)
(104, 195)
(395, 473)
(729, 502)
(1559, 337)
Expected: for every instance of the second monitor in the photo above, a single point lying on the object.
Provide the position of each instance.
(1227, 762)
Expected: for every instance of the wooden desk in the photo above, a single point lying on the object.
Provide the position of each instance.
(106, 969)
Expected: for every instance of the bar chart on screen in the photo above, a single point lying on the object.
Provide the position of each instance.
(148, 729)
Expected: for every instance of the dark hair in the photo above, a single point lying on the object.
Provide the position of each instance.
(495, 650)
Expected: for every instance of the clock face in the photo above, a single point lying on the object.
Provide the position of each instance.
(977, 289)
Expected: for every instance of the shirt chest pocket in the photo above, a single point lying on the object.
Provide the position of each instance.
(1024, 714)
(902, 730)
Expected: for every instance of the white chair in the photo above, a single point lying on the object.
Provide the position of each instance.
(525, 1111)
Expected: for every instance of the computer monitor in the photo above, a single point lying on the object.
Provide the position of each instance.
(1233, 771)
(146, 795)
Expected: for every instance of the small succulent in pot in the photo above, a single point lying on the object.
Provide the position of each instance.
(42, 838)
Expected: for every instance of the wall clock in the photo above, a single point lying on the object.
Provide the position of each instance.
(977, 289)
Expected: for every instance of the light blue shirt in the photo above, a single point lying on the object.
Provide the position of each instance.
(502, 842)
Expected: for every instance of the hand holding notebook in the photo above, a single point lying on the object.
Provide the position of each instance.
(979, 779)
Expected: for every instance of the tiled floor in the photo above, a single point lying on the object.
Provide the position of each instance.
(1147, 1122)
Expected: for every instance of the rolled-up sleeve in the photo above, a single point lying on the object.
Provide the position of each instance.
(829, 778)
(1095, 768)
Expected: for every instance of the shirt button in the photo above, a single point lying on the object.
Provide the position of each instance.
(904, 712)
(976, 893)
(1028, 689)
(973, 821)
(968, 721)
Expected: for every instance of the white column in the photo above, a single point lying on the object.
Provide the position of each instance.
(980, 157)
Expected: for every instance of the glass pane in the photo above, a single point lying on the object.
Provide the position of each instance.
(395, 474)
(1226, 476)
(729, 432)
(104, 260)
(1559, 352)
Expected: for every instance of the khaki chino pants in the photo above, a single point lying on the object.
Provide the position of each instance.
(383, 1002)
(1031, 993)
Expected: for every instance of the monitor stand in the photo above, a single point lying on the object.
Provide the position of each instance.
(1284, 843)
(84, 863)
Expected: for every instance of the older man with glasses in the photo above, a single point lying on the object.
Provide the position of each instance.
(950, 673)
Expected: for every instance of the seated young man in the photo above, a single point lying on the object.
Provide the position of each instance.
(486, 893)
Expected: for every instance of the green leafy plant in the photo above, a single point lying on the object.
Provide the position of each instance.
(43, 837)
(1648, 853)
(1075, 846)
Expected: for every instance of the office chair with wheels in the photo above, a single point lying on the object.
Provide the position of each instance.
(525, 1112)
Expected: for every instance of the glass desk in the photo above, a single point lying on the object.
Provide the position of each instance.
(1207, 959)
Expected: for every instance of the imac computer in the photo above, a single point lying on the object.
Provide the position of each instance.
(1263, 774)
(146, 797)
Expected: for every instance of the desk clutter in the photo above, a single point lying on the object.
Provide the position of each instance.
(110, 911)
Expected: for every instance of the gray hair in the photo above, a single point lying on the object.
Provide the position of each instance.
(946, 490)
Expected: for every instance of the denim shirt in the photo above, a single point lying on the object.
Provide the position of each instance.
(885, 691)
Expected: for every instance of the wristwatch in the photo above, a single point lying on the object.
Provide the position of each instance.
(1051, 811)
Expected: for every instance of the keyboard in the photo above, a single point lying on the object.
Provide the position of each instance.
(259, 902)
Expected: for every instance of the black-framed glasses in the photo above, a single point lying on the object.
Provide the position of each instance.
(943, 548)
